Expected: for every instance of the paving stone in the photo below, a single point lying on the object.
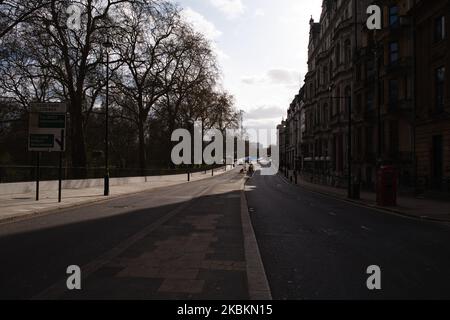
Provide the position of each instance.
(182, 286)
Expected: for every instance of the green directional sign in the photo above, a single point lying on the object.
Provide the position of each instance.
(47, 127)
(52, 120)
(42, 141)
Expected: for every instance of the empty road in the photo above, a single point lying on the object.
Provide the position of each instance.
(315, 247)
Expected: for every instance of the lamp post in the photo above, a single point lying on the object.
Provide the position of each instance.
(107, 45)
(349, 149)
(377, 99)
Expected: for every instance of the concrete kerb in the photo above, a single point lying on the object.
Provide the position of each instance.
(258, 285)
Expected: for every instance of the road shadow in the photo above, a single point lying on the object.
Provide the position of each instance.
(36, 252)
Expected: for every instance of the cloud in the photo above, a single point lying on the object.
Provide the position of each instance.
(263, 120)
(289, 78)
(264, 112)
(201, 24)
(262, 130)
(259, 12)
(207, 28)
(231, 8)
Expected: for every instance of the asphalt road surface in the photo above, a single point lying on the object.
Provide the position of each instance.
(312, 246)
(315, 247)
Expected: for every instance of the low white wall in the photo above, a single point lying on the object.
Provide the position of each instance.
(27, 187)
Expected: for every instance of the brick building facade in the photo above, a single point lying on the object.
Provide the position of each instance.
(393, 80)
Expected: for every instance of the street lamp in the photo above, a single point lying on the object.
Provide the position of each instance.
(107, 45)
(241, 119)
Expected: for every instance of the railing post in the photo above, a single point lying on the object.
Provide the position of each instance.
(38, 160)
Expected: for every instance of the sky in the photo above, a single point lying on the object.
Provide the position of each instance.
(261, 47)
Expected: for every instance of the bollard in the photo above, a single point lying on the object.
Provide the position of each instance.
(212, 173)
(189, 176)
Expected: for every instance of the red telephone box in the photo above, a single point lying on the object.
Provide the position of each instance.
(387, 186)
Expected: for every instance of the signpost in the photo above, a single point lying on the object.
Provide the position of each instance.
(47, 127)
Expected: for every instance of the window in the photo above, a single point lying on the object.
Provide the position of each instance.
(347, 100)
(439, 31)
(369, 139)
(337, 102)
(381, 91)
(338, 55)
(326, 113)
(370, 69)
(358, 103)
(370, 102)
(393, 52)
(393, 138)
(393, 93)
(440, 89)
(359, 140)
(348, 51)
(318, 116)
(393, 16)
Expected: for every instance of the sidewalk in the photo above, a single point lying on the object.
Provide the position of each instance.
(17, 206)
(413, 207)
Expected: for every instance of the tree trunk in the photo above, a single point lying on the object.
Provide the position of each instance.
(78, 146)
(171, 144)
(142, 151)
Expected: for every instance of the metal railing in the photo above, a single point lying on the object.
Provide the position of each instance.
(10, 174)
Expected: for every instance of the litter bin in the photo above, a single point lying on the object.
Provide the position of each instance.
(387, 186)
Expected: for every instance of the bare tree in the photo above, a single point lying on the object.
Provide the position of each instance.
(21, 77)
(14, 12)
(72, 56)
(145, 46)
(163, 73)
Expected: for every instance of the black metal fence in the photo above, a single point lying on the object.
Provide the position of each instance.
(426, 186)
